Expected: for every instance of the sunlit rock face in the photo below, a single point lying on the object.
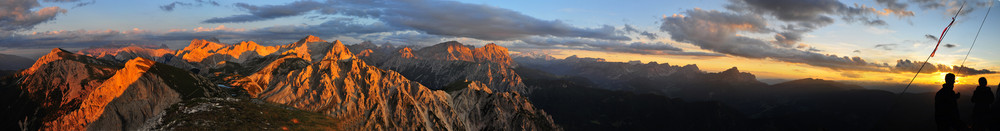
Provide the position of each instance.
(493, 53)
(66, 91)
(54, 86)
(310, 74)
(160, 54)
(325, 77)
(444, 63)
(207, 54)
(450, 50)
(488, 110)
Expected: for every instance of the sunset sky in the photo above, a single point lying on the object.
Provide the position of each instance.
(861, 41)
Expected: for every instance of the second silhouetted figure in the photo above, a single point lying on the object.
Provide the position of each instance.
(981, 98)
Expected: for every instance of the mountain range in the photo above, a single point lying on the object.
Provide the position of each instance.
(317, 84)
(102, 88)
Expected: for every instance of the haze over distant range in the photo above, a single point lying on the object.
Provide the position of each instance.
(865, 41)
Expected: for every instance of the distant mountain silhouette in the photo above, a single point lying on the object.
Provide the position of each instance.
(577, 106)
(12, 63)
(804, 104)
(687, 82)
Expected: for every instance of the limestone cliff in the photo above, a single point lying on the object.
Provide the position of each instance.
(444, 63)
(324, 77)
(74, 92)
(311, 74)
(206, 54)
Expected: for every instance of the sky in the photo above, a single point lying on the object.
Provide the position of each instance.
(862, 41)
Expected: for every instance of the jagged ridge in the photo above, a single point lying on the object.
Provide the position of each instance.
(88, 96)
(444, 63)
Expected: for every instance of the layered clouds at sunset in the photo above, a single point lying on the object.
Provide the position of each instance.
(882, 41)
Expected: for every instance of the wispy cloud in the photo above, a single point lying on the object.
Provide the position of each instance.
(171, 6)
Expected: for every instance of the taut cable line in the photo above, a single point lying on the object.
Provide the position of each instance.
(977, 37)
(943, 33)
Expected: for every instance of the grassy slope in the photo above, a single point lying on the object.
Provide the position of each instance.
(241, 114)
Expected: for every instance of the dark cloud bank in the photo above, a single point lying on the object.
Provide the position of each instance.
(719, 31)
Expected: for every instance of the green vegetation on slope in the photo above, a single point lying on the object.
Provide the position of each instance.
(241, 115)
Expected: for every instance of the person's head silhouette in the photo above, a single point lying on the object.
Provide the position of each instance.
(949, 78)
(982, 81)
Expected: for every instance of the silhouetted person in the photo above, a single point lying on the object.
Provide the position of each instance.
(981, 98)
(946, 106)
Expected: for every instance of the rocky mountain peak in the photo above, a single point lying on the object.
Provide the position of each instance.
(308, 39)
(368, 45)
(406, 52)
(450, 44)
(731, 71)
(138, 64)
(575, 58)
(451, 50)
(339, 51)
(201, 44)
(365, 53)
(693, 67)
(127, 52)
(493, 53)
(55, 54)
(249, 46)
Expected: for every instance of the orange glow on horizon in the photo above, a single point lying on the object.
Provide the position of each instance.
(773, 69)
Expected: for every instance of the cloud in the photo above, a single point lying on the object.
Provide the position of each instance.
(722, 32)
(851, 74)
(484, 22)
(259, 13)
(950, 45)
(445, 18)
(818, 12)
(629, 29)
(951, 7)
(425, 20)
(803, 16)
(17, 15)
(81, 4)
(171, 6)
(657, 48)
(886, 46)
(211, 2)
(75, 38)
(931, 37)
(718, 31)
(404, 37)
(433, 20)
(914, 66)
(654, 46)
(86, 38)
